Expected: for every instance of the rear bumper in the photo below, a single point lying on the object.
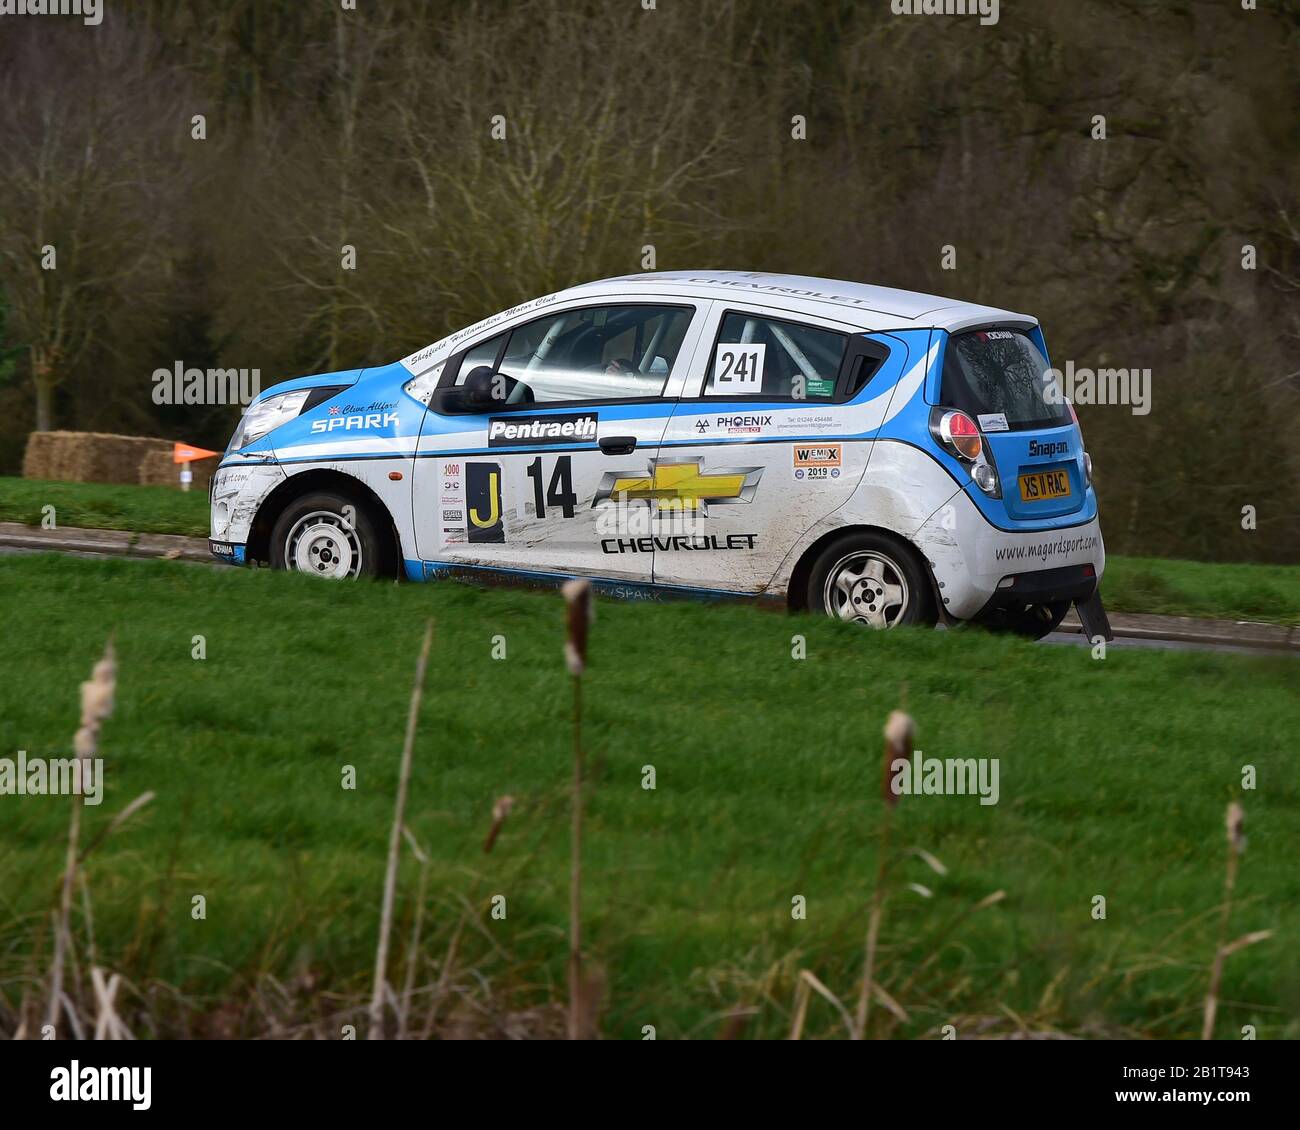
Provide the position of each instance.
(1042, 586)
(978, 568)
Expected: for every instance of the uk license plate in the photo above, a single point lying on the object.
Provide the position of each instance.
(1039, 486)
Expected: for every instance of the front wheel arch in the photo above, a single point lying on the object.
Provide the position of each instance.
(334, 482)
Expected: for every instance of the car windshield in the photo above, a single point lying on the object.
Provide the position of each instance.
(1001, 373)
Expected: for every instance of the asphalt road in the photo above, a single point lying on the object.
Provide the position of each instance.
(1075, 639)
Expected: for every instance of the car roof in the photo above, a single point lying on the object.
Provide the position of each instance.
(856, 304)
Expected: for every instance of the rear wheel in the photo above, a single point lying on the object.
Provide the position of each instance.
(1033, 621)
(873, 580)
(328, 535)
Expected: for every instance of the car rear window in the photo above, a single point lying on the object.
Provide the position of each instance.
(1001, 373)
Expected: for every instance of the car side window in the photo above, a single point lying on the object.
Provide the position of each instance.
(863, 368)
(485, 353)
(774, 359)
(594, 353)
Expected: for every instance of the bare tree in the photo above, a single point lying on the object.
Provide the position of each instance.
(84, 199)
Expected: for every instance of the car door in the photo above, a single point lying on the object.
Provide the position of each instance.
(771, 435)
(518, 487)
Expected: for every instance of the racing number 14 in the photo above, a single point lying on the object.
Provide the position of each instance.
(559, 492)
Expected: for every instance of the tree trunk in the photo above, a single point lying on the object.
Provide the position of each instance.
(44, 405)
(44, 379)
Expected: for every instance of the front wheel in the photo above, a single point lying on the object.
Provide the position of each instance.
(873, 580)
(327, 535)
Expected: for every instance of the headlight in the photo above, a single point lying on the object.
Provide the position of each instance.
(267, 415)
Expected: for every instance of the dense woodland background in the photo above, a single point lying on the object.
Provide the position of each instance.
(669, 127)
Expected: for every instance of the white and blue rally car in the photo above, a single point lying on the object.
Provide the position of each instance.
(883, 456)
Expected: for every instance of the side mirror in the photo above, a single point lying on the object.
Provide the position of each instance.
(474, 396)
(484, 390)
(480, 386)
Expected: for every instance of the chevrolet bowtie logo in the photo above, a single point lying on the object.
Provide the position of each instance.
(679, 485)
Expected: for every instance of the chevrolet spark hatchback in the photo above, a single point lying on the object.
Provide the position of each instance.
(883, 456)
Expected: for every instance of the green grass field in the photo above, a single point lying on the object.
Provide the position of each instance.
(1264, 593)
(106, 506)
(1114, 778)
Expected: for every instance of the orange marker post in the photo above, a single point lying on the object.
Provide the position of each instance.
(184, 454)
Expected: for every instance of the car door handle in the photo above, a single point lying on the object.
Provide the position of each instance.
(618, 445)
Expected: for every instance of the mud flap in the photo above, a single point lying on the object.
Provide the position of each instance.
(1093, 618)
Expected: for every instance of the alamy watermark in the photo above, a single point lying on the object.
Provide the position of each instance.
(90, 1083)
(951, 776)
(987, 10)
(179, 385)
(53, 776)
(90, 11)
(1099, 386)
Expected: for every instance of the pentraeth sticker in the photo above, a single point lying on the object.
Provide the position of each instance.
(531, 431)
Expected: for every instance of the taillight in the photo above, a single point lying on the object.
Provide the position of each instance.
(959, 434)
(1074, 418)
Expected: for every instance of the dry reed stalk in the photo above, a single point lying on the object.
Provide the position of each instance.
(578, 602)
(1235, 823)
(500, 811)
(808, 984)
(117, 821)
(802, 994)
(899, 729)
(940, 937)
(395, 842)
(108, 1023)
(413, 950)
(96, 705)
(444, 977)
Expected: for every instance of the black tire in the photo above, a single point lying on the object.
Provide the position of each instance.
(1032, 621)
(330, 535)
(862, 594)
